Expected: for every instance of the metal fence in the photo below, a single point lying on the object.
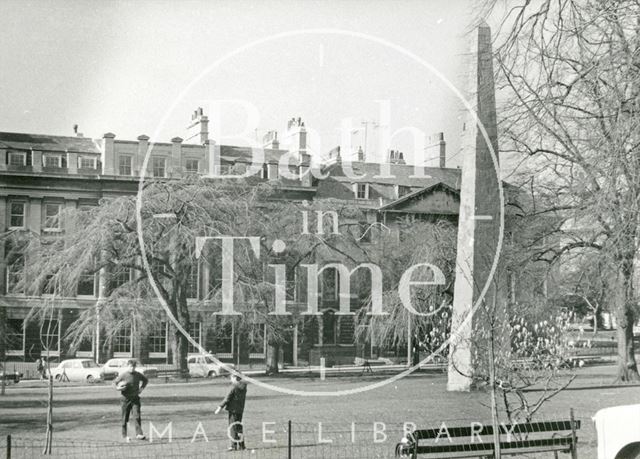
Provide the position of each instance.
(295, 440)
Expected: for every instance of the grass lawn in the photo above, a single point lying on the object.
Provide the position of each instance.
(86, 418)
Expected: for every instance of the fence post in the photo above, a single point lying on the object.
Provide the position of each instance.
(574, 440)
(9, 446)
(289, 440)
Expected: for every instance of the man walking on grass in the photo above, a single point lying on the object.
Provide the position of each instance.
(234, 404)
(131, 383)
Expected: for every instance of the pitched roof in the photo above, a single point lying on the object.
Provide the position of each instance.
(415, 194)
(401, 174)
(233, 153)
(19, 141)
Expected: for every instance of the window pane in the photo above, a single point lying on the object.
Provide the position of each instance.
(17, 159)
(120, 277)
(124, 165)
(52, 216)
(87, 163)
(361, 191)
(86, 345)
(192, 165)
(15, 266)
(158, 167)
(158, 339)
(15, 335)
(17, 214)
(52, 161)
(50, 335)
(122, 340)
(86, 284)
(194, 331)
(224, 340)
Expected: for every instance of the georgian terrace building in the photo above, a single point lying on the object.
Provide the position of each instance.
(40, 175)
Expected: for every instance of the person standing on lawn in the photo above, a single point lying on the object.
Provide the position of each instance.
(234, 404)
(131, 383)
(40, 367)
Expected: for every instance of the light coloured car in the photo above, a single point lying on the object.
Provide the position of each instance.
(115, 367)
(205, 367)
(77, 370)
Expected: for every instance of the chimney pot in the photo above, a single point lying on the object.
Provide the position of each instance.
(143, 137)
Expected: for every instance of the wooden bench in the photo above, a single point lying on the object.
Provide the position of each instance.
(477, 440)
(173, 373)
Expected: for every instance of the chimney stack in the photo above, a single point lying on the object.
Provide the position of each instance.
(198, 130)
(396, 157)
(270, 140)
(295, 139)
(436, 151)
(108, 157)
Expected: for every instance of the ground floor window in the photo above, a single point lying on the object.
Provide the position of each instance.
(85, 348)
(158, 341)
(15, 337)
(122, 342)
(329, 325)
(224, 342)
(120, 277)
(50, 337)
(195, 330)
(257, 343)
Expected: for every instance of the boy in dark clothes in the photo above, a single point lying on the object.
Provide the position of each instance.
(234, 404)
(131, 383)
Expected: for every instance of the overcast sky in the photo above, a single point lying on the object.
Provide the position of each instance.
(122, 66)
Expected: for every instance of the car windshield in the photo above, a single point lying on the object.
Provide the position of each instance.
(89, 364)
(208, 360)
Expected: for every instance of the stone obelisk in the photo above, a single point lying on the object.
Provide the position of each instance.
(479, 217)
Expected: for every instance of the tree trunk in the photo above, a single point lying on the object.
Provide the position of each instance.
(179, 349)
(627, 366)
(49, 432)
(273, 351)
(179, 342)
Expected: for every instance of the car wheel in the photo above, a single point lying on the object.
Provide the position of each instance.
(57, 377)
(91, 379)
(212, 374)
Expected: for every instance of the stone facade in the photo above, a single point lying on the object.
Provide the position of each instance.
(40, 175)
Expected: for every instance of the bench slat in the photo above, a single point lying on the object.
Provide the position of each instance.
(536, 445)
(532, 427)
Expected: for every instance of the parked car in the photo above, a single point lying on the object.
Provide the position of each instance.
(114, 367)
(204, 366)
(77, 370)
(10, 376)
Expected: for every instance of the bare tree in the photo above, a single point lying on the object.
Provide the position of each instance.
(408, 244)
(569, 75)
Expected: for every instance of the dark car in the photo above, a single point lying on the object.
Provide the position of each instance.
(10, 376)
